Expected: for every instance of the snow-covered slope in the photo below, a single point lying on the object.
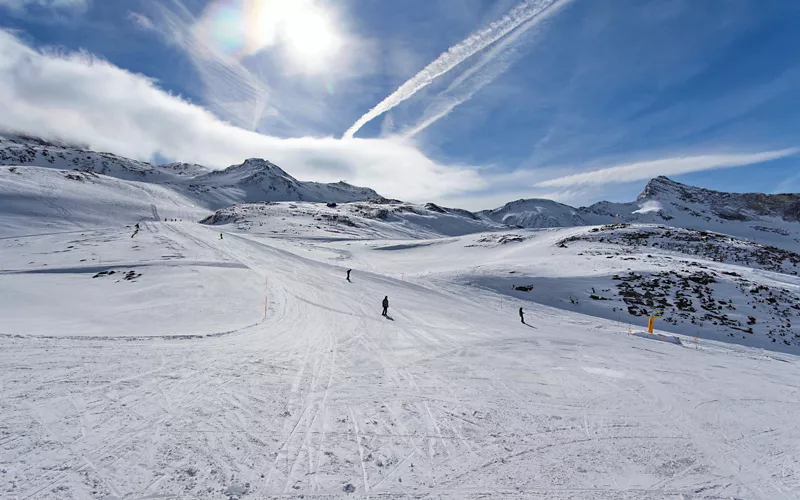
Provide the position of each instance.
(254, 180)
(259, 180)
(378, 218)
(19, 151)
(708, 286)
(175, 364)
(37, 200)
(535, 213)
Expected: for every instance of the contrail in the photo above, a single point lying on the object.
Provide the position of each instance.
(454, 56)
(491, 64)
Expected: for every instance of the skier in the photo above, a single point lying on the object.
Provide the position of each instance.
(385, 306)
(137, 226)
(220, 235)
(348, 274)
(521, 316)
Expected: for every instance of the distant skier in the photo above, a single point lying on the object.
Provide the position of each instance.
(521, 316)
(385, 306)
(348, 275)
(220, 235)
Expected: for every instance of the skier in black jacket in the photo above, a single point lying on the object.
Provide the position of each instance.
(348, 274)
(521, 316)
(385, 306)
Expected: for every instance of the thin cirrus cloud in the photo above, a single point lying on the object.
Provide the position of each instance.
(230, 89)
(20, 4)
(455, 55)
(80, 99)
(665, 166)
(265, 64)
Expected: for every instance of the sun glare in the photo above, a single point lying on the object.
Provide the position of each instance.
(310, 35)
(302, 29)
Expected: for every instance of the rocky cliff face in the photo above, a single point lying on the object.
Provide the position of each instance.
(727, 206)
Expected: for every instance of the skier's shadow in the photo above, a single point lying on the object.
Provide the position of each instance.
(389, 317)
(530, 326)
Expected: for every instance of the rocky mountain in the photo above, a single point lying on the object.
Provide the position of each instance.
(767, 218)
(665, 199)
(255, 180)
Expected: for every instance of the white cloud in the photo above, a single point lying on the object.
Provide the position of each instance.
(454, 56)
(19, 4)
(665, 166)
(78, 98)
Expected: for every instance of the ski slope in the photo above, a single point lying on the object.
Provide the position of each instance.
(176, 384)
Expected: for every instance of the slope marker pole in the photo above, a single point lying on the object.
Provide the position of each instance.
(266, 295)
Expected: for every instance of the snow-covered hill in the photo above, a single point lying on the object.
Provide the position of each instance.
(535, 213)
(255, 180)
(378, 218)
(708, 286)
(36, 200)
(258, 180)
(26, 151)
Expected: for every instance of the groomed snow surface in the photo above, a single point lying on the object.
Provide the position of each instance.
(247, 367)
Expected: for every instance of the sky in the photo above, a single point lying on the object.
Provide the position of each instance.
(468, 103)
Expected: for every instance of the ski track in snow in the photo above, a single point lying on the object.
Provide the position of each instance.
(452, 399)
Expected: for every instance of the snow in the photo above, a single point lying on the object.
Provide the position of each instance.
(36, 200)
(231, 358)
(649, 207)
(376, 219)
(454, 398)
(254, 180)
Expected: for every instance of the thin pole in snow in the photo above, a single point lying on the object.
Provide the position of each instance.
(266, 295)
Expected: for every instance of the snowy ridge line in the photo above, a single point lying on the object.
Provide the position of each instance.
(132, 338)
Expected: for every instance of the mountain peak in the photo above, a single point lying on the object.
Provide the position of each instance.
(261, 164)
(659, 185)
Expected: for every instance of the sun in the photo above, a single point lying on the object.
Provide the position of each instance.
(310, 36)
(304, 31)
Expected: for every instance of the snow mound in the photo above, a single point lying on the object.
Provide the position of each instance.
(670, 339)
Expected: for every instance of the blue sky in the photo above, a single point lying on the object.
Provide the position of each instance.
(475, 102)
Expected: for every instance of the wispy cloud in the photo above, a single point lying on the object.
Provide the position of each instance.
(78, 98)
(20, 4)
(665, 166)
(269, 65)
(141, 21)
(454, 56)
(231, 90)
